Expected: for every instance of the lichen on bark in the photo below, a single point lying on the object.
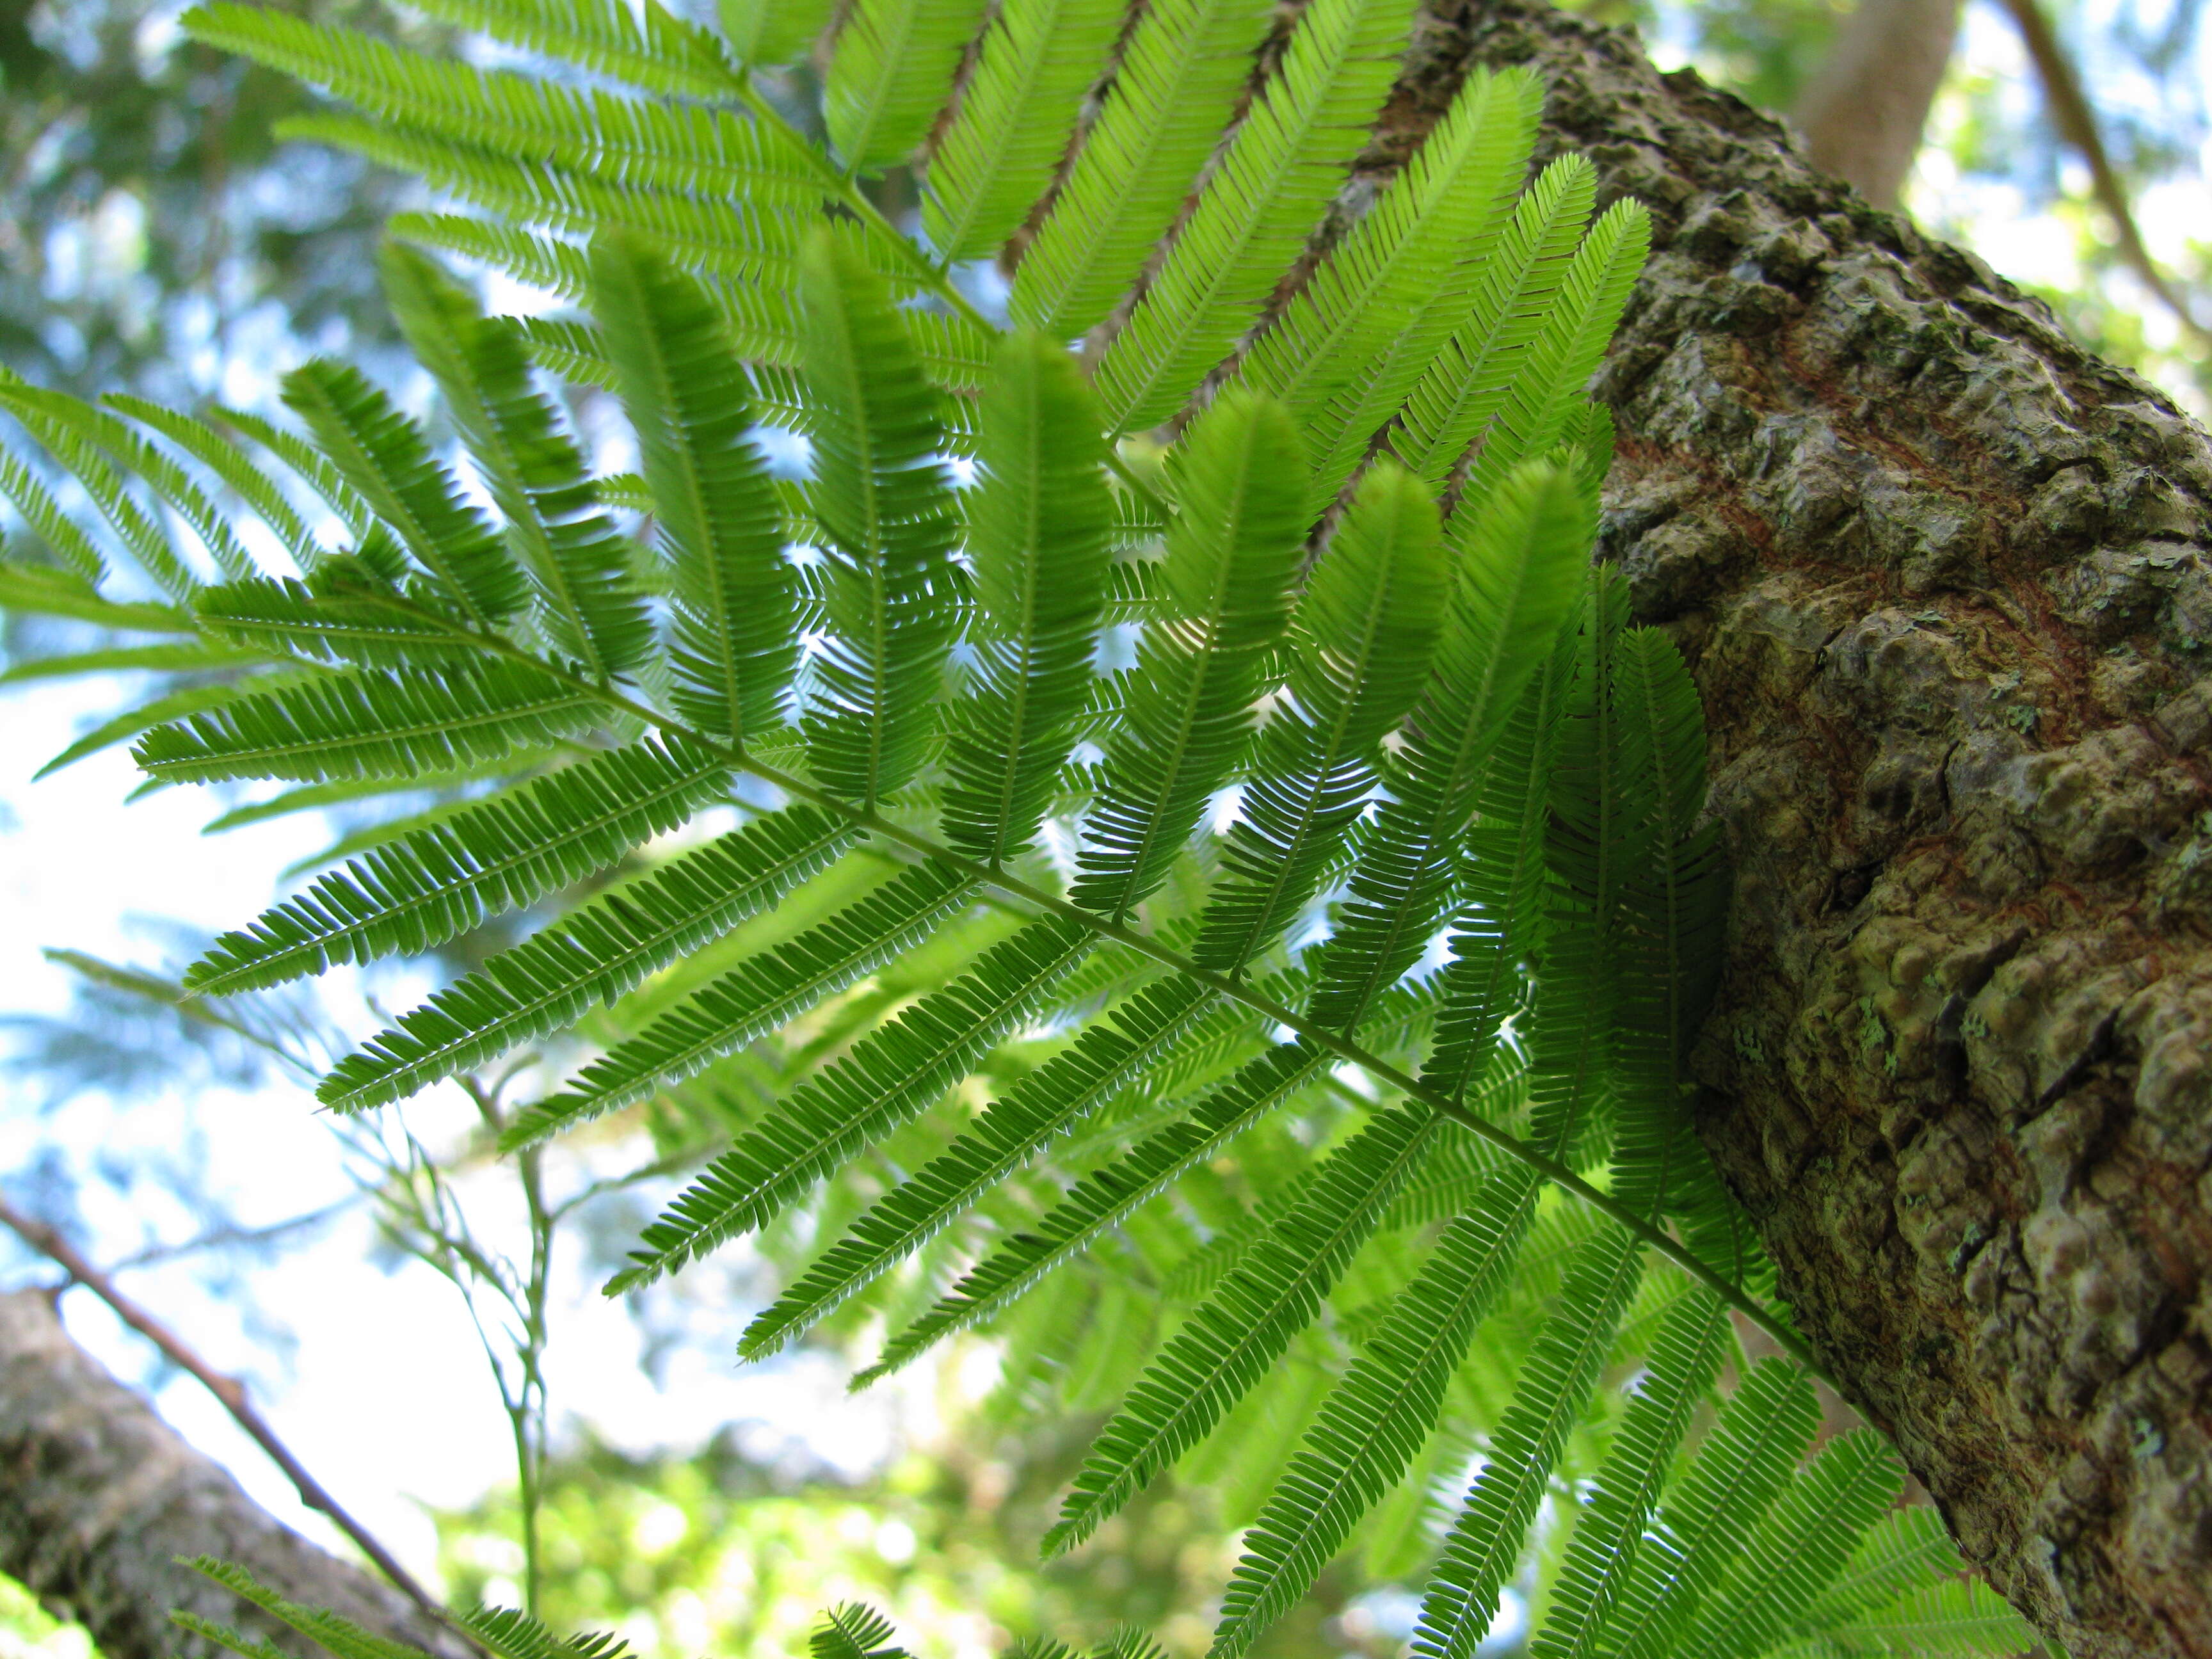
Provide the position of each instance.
(1942, 576)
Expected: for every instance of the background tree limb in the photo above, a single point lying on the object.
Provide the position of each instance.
(99, 1497)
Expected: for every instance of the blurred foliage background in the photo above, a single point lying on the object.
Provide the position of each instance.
(154, 238)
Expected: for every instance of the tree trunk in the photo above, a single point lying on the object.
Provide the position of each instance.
(98, 1496)
(1941, 575)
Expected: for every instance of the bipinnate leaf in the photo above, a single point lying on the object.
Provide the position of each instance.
(1485, 1542)
(760, 995)
(408, 894)
(733, 645)
(371, 723)
(577, 564)
(892, 1074)
(1376, 1418)
(1038, 527)
(1245, 1326)
(1232, 554)
(890, 594)
(593, 955)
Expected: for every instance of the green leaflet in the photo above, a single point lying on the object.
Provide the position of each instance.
(384, 456)
(1232, 552)
(890, 74)
(1167, 103)
(1111, 1055)
(1376, 1418)
(1361, 640)
(1438, 216)
(1245, 1326)
(1799, 1545)
(648, 46)
(102, 450)
(370, 723)
(1467, 381)
(1014, 120)
(1289, 158)
(586, 606)
(1533, 412)
(418, 891)
(1518, 561)
(61, 424)
(760, 995)
(773, 31)
(1761, 1432)
(630, 145)
(342, 615)
(734, 647)
(1685, 1358)
(341, 1637)
(1102, 1198)
(852, 1631)
(891, 588)
(217, 451)
(1037, 526)
(593, 955)
(1484, 1545)
(891, 1075)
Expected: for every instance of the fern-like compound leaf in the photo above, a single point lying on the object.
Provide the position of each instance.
(760, 995)
(889, 75)
(890, 593)
(1015, 119)
(1684, 1360)
(1262, 200)
(1464, 384)
(1447, 203)
(1376, 1418)
(1361, 640)
(1518, 566)
(1775, 1572)
(1241, 1330)
(1485, 1542)
(423, 889)
(1038, 527)
(1232, 554)
(386, 459)
(593, 955)
(1548, 381)
(373, 723)
(1741, 1465)
(1112, 1055)
(892, 1074)
(646, 46)
(852, 1631)
(733, 646)
(1170, 98)
(1102, 1200)
(773, 31)
(577, 564)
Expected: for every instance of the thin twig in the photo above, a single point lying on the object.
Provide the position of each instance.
(2077, 123)
(228, 1390)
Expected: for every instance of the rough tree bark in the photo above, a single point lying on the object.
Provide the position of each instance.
(98, 1497)
(1942, 576)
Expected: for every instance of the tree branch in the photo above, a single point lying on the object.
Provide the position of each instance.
(99, 1499)
(229, 1390)
(2077, 117)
